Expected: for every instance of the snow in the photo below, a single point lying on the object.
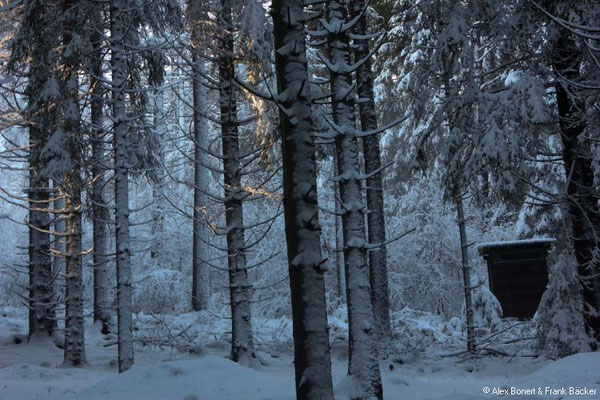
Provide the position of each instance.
(512, 77)
(511, 243)
(34, 370)
(208, 378)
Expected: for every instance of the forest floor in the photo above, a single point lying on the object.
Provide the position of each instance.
(34, 370)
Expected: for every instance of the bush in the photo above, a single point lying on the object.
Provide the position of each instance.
(559, 317)
(487, 311)
(162, 291)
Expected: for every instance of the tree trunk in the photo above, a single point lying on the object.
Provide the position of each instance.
(42, 316)
(242, 346)
(119, 26)
(158, 215)
(466, 269)
(582, 197)
(181, 123)
(74, 351)
(311, 343)
(100, 214)
(58, 242)
(363, 364)
(200, 276)
(74, 324)
(339, 255)
(378, 273)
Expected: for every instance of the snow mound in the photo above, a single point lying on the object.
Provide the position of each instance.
(205, 378)
(578, 370)
(24, 381)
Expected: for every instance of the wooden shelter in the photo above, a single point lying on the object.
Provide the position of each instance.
(518, 274)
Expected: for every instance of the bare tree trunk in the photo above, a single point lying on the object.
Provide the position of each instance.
(119, 26)
(378, 272)
(181, 123)
(582, 196)
(242, 346)
(100, 214)
(311, 343)
(339, 245)
(466, 270)
(200, 276)
(74, 351)
(58, 242)
(74, 324)
(363, 364)
(158, 216)
(42, 316)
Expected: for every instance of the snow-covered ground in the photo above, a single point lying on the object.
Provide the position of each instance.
(33, 370)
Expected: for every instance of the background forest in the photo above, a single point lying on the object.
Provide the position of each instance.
(156, 153)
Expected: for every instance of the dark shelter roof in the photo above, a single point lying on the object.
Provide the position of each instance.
(483, 248)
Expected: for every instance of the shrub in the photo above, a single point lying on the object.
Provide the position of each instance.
(162, 291)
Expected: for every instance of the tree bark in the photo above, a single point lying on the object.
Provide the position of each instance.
(58, 242)
(119, 26)
(378, 272)
(242, 346)
(339, 255)
(42, 316)
(74, 351)
(466, 270)
(158, 215)
(311, 343)
(74, 324)
(100, 214)
(363, 364)
(200, 276)
(582, 196)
